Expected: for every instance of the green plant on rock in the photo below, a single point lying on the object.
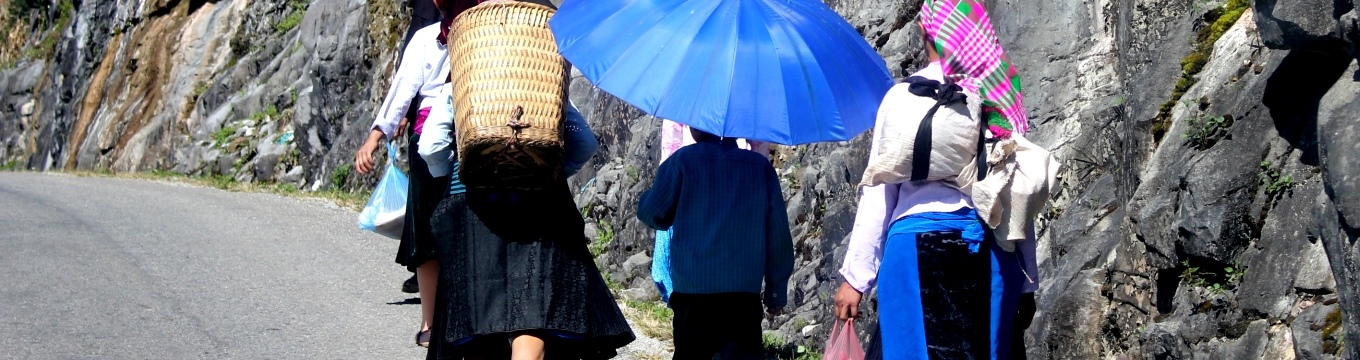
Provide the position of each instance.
(200, 89)
(297, 9)
(1216, 288)
(1274, 181)
(286, 188)
(1234, 273)
(633, 173)
(606, 236)
(222, 135)
(269, 112)
(340, 176)
(1191, 275)
(47, 46)
(291, 158)
(221, 181)
(778, 348)
(1332, 339)
(19, 9)
(1206, 130)
(1220, 20)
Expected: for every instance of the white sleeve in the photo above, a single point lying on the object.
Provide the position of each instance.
(436, 139)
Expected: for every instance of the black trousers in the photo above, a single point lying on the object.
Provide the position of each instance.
(717, 326)
(1024, 316)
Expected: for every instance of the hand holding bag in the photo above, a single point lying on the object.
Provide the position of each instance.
(385, 213)
(843, 344)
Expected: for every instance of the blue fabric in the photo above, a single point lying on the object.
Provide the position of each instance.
(783, 71)
(1008, 282)
(581, 143)
(901, 312)
(661, 265)
(730, 227)
(965, 220)
(455, 186)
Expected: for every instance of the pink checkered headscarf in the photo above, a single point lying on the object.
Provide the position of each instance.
(963, 36)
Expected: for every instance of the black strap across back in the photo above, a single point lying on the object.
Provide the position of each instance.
(944, 94)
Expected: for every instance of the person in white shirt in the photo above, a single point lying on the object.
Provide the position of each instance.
(422, 71)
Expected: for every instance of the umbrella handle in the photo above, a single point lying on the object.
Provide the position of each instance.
(516, 126)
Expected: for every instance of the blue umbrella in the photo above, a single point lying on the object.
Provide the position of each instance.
(782, 71)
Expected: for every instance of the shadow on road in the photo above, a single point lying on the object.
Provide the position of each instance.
(411, 301)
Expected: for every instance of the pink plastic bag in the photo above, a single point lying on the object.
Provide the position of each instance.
(844, 344)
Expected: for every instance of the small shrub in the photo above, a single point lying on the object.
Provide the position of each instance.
(286, 188)
(224, 182)
(1190, 275)
(633, 173)
(269, 112)
(1205, 131)
(1274, 181)
(340, 175)
(606, 236)
(201, 89)
(1235, 273)
(224, 134)
(778, 348)
(291, 21)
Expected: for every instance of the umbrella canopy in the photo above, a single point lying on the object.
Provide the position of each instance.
(783, 71)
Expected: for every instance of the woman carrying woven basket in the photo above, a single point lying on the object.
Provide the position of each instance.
(516, 279)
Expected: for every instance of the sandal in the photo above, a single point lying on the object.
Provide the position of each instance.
(423, 338)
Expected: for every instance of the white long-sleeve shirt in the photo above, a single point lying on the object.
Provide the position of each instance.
(880, 205)
(424, 68)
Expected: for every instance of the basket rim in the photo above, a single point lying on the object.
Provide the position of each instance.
(516, 5)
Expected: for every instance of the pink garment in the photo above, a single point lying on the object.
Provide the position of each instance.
(675, 135)
(420, 119)
(880, 205)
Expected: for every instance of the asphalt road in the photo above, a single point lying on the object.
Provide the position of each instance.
(103, 268)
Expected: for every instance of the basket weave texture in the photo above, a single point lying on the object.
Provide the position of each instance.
(510, 85)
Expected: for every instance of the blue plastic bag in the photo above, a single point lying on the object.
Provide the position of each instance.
(385, 213)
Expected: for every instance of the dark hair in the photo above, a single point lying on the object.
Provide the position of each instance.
(702, 136)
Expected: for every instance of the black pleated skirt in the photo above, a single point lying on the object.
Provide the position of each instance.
(525, 270)
(417, 245)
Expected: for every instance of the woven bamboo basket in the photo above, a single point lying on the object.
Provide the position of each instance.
(509, 86)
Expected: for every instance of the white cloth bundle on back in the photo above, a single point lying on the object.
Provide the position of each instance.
(1020, 178)
(955, 130)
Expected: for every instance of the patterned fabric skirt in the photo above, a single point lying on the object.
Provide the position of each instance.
(939, 300)
(494, 285)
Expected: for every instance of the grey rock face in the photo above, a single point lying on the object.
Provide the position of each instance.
(1294, 23)
(1338, 225)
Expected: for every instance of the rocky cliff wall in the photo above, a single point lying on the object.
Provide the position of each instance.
(265, 90)
(1207, 210)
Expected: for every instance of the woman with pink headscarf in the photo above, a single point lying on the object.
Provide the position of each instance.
(946, 290)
